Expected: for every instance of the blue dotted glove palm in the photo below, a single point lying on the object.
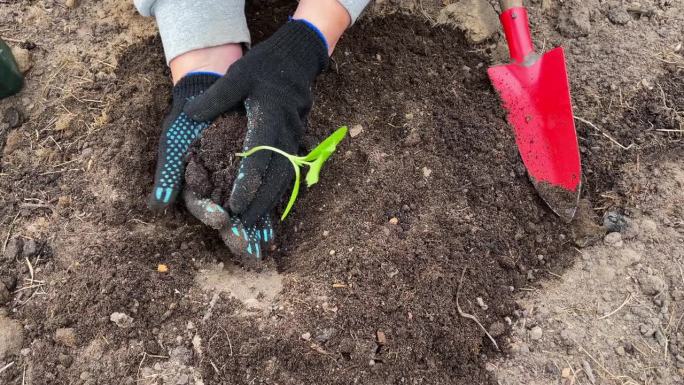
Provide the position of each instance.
(179, 132)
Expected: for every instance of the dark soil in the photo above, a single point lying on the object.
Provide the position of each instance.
(658, 113)
(437, 155)
(372, 255)
(212, 165)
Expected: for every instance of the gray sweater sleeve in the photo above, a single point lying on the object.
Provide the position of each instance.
(354, 7)
(186, 25)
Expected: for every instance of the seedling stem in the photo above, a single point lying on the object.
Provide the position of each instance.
(314, 160)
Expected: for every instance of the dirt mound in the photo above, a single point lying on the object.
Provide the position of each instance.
(435, 174)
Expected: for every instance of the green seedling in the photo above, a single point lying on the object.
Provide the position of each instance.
(314, 160)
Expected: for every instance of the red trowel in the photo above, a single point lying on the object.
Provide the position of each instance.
(535, 92)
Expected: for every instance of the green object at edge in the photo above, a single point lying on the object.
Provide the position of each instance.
(11, 79)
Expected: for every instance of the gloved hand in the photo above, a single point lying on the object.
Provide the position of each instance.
(250, 243)
(178, 134)
(274, 81)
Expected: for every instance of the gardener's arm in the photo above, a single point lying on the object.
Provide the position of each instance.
(207, 35)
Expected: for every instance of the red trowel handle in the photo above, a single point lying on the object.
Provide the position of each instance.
(516, 26)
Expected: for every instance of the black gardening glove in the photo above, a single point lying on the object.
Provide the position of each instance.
(178, 133)
(274, 81)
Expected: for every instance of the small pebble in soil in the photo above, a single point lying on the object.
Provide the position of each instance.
(652, 285)
(325, 335)
(551, 368)
(5, 295)
(620, 351)
(481, 304)
(613, 239)
(394, 221)
(518, 348)
(306, 336)
(615, 222)
(11, 336)
(181, 355)
(646, 330)
(23, 58)
(497, 329)
(197, 344)
(567, 337)
(30, 248)
(565, 373)
(121, 320)
(13, 117)
(66, 337)
(476, 18)
(356, 130)
(617, 14)
(574, 19)
(536, 333)
(381, 338)
(14, 248)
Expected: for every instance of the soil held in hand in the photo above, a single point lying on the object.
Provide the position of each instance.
(212, 163)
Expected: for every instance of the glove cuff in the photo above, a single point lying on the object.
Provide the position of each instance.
(300, 42)
(192, 85)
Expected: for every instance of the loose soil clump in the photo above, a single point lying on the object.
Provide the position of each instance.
(212, 163)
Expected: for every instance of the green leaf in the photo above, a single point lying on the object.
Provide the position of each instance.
(321, 153)
(327, 147)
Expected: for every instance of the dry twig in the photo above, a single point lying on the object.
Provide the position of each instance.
(9, 232)
(592, 125)
(6, 367)
(30, 267)
(612, 376)
(470, 316)
(629, 296)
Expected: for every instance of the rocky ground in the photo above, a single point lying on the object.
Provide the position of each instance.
(94, 289)
(615, 316)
